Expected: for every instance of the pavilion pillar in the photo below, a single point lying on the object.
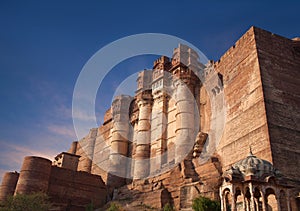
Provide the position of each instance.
(263, 197)
(222, 199)
(252, 203)
(288, 200)
(278, 200)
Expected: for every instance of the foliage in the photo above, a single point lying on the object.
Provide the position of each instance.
(146, 206)
(27, 202)
(114, 207)
(168, 207)
(89, 207)
(205, 204)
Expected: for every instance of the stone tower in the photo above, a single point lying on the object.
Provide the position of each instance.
(187, 130)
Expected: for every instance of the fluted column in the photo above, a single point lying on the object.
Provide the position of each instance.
(158, 130)
(88, 145)
(119, 139)
(142, 153)
(185, 120)
(134, 141)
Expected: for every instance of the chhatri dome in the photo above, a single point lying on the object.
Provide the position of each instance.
(251, 167)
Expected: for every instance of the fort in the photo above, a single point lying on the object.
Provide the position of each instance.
(227, 130)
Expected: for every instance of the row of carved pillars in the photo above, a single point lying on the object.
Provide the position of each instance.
(251, 196)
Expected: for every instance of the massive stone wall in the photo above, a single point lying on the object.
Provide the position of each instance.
(279, 63)
(259, 77)
(67, 189)
(246, 122)
(70, 189)
(261, 86)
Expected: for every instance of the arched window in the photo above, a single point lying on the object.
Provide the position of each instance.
(271, 199)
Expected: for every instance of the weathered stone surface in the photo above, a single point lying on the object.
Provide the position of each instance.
(8, 185)
(259, 77)
(70, 188)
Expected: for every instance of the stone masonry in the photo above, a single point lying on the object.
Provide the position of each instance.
(161, 145)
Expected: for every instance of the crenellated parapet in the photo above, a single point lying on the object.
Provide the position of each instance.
(162, 63)
(213, 80)
(186, 65)
(144, 80)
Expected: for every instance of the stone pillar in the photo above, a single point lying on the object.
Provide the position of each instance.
(288, 200)
(252, 203)
(158, 131)
(263, 197)
(134, 141)
(256, 204)
(277, 194)
(142, 153)
(233, 199)
(244, 202)
(185, 120)
(88, 145)
(222, 199)
(120, 132)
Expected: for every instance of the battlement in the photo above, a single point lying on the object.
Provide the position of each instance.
(161, 63)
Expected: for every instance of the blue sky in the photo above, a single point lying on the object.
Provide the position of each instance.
(45, 44)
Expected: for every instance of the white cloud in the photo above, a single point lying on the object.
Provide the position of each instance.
(66, 131)
(11, 158)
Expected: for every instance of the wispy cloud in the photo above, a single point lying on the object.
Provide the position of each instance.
(66, 131)
(14, 153)
(11, 158)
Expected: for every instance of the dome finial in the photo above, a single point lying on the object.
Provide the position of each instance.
(250, 151)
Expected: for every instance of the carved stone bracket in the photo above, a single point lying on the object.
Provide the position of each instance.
(199, 143)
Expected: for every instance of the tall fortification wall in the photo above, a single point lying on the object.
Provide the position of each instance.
(279, 63)
(246, 122)
(155, 140)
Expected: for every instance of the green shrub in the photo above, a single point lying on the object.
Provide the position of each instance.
(89, 207)
(168, 207)
(205, 204)
(114, 207)
(27, 202)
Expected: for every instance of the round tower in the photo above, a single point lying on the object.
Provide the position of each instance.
(8, 185)
(73, 148)
(142, 153)
(34, 175)
(183, 70)
(120, 132)
(88, 146)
